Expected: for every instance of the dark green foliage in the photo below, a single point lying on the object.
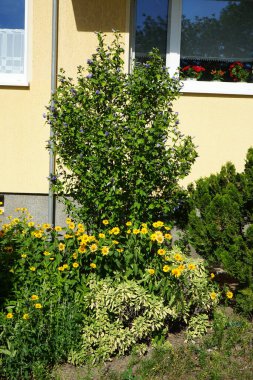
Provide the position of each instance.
(220, 222)
(120, 153)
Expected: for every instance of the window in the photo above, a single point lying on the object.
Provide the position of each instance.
(13, 42)
(210, 40)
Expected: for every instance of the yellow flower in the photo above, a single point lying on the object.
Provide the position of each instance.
(93, 265)
(167, 228)
(144, 230)
(161, 252)
(229, 294)
(155, 224)
(91, 238)
(26, 316)
(61, 269)
(181, 267)
(114, 231)
(159, 236)
(46, 226)
(65, 266)
(176, 272)
(151, 271)
(84, 238)
(153, 237)
(105, 251)
(159, 223)
(213, 296)
(120, 250)
(128, 224)
(67, 236)
(191, 266)
(80, 227)
(93, 247)
(75, 265)
(115, 242)
(15, 221)
(34, 297)
(144, 225)
(58, 228)
(46, 253)
(178, 257)
(168, 236)
(1, 212)
(166, 258)
(105, 222)
(23, 255)
(33, 269)
(9, 316)
(101, 236)
(212, 275)
(61, 247)
(37, 234)
(30, 224)
(136, 231)
(128, 231)
(166, 268)
(71, 225)
(75, 255)
(38, 306)
(51, 258)
(82, 248)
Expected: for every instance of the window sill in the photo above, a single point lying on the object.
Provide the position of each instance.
(14, 84)
(226, 88)
(14, 80)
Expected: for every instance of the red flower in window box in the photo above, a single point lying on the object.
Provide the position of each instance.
(194, 71)
(238, 73)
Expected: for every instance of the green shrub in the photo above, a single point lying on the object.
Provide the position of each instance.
(120, 153)
(118, 315)
(220, 222)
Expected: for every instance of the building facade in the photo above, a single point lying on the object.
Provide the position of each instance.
(217, 114)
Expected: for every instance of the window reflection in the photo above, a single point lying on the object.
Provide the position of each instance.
(12, 36)
(215, 34)
(151, 27)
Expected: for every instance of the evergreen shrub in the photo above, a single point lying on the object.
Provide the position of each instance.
(220, 224)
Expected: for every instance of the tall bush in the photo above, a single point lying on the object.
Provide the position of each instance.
(120, 153)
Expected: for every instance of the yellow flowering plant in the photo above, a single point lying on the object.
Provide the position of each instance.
(45, 278)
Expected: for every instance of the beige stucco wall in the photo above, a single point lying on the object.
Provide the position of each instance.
(221, 125)
(77, 23)
(24, 161)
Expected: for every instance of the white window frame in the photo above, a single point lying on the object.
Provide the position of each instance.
(9, 79)
(173, 59)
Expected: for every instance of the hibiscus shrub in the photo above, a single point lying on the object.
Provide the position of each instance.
(119, 150)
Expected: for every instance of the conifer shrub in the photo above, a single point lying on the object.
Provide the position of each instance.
(220, 224)
(120, 152)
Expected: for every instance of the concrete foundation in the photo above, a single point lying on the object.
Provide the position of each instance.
(37, 205)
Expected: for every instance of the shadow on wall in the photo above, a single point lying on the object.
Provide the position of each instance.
(100, 15)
